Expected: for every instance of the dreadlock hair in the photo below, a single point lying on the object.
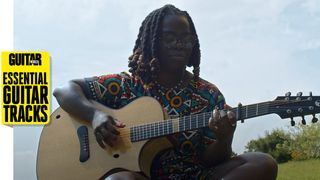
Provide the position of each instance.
(144, 62)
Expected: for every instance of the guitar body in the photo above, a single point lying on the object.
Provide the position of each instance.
(59, 146)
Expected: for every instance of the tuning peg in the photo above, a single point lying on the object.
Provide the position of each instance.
(299, 94)
(314, 119)
(292, 122)
(303, 121)
(288, 94)
(310, 94)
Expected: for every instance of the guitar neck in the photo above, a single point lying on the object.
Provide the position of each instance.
(195, 121)
(251, 111)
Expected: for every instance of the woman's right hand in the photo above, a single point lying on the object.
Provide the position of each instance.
(105, 129)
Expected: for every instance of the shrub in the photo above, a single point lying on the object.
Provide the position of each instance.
(300, 142)
(274, 143)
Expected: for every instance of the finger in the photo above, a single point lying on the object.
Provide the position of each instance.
(211, 123)
(119, 124)
(111, 119)
(110, 135)
(215, 129)
(232, 119)
(116, 122)
(216, 114)
(115, 131)
(231, 115)
(111, 127)
(214, 125)
(222, 113)
(226, 106)
(99, 139)
(111, 139)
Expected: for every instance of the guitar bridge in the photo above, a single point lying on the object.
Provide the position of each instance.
(84, 143)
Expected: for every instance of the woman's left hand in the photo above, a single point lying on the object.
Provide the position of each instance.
(223, 123)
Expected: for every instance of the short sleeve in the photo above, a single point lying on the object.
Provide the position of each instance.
(109, 90)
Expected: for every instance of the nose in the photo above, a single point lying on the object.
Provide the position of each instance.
(179, 44)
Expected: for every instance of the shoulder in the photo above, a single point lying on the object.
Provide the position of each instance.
(215, 96)
(110, 84)
(120, 77)
(206, 85)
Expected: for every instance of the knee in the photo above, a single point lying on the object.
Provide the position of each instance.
(263, 161)
(124, 175)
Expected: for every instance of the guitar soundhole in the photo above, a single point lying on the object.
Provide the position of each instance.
(116, 155)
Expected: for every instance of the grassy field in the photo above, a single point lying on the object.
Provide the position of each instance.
(300, 170)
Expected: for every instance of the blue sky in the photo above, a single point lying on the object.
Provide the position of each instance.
(253, 50)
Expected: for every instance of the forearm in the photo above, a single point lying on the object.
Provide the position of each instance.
(72, 99)
(217, 152)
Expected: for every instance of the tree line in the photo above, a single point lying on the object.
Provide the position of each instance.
(299, 142)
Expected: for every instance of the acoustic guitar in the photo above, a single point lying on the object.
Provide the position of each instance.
(68, 149)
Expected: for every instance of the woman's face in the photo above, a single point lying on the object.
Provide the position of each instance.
(176, 42)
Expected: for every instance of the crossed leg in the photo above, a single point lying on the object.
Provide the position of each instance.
(253, 166)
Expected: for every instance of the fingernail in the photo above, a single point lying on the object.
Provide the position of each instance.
(230, 115)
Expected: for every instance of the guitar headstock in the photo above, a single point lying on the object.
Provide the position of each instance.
(296, 106)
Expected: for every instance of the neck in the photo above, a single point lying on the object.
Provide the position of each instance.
(170, 79)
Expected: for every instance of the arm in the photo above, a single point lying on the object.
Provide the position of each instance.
(220, 150)
(74, 99)
(217, 152)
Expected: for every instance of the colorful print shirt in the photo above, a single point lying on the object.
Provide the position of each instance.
(183, 160)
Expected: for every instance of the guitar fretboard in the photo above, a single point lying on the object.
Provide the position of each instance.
(195, 121)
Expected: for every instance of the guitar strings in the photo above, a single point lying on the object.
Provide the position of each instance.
(192, 123)
(157, 128)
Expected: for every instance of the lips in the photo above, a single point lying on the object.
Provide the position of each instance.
(177, 55)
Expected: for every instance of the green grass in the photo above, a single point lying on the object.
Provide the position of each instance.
(300, 170)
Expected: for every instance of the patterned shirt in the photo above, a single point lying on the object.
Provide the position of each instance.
(183, 160)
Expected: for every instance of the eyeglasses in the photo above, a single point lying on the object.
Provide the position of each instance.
(171, 40)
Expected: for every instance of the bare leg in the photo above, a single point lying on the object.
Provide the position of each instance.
(253, 166)
(127, 175)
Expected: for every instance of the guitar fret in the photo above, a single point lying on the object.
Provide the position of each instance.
(200, 123)
(132, 134)
(156, 129)
(167, 128)
(144, 133)
(196, 125)
(203, 122)
(190, 124)
(153, 130)
(140, 132)
(183, 124)
(136, 135)
(189, 119)
(246, 111)
(187, 125)
(170, 126)
(160, 129)
(154, 126)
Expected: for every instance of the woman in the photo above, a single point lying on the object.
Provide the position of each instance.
(167, 43)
